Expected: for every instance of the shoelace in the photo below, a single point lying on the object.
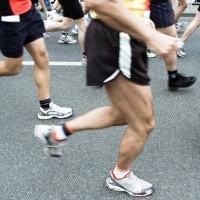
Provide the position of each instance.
(56, 107)
(134, 179)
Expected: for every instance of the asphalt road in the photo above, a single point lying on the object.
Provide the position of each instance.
(170, 159)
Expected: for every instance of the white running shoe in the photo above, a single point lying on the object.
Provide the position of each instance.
(130, 184)
(181, 52)
(150, 54)
(54, 111)
(46, 35)
(180, 25)
(44, 134)
(66, 39)
(75, 29)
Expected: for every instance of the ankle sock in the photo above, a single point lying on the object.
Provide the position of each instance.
(64, 33)
(45, 103)
(119, 173)
(172, 74)
(61, 133)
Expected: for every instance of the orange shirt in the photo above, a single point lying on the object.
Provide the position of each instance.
(14, 7)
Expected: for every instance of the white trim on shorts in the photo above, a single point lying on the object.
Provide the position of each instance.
(125, 57)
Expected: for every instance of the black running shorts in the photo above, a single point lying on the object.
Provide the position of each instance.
(14, 35)
(72, 9)
(162, 14)
(110, 52)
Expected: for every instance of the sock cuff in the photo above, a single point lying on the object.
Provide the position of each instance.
(122, 170)
(116, 177)
(67, 129)
(45, 101)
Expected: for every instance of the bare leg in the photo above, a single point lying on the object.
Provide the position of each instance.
(39, 54)
(171, 62)
(132, 105)
(10, 66)
(179, 10)
(59, 24)
(191, 27)
(55, 5)
(82, 26)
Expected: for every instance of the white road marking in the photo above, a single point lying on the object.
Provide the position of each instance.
(55, 63)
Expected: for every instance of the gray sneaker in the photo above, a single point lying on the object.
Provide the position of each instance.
(180, 25)
(130, 184)
(181, 52)
(44, 134)
(54, 111)
(66, 39)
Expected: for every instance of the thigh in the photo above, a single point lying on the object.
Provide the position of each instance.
(14, 65)
(134, 101)
(37, 50)
(170, 30)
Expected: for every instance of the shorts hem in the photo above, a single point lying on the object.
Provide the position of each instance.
(35, 37)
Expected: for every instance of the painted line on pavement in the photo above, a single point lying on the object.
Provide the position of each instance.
(55, 63)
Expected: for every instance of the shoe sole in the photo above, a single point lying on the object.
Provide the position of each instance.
(47, 152)
(119, 189)
(176, 88)
(55, 116)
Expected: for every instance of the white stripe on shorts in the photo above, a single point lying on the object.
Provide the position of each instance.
(125, 55)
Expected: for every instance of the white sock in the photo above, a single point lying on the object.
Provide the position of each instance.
(120, 174)
(60, 134)
(180, 44)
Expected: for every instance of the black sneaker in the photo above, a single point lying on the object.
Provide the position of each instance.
(181, 81)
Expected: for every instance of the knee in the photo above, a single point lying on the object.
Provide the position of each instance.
(43, 55)
(66, 26)
(117, 116)
(145, 127)
(16, 69)
(149, 125)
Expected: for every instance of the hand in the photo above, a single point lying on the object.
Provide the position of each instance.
(162, 45)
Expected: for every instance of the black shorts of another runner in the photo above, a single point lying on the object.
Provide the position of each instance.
(14, 35)
(110, 52)
(162, 13)
(72, 9)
